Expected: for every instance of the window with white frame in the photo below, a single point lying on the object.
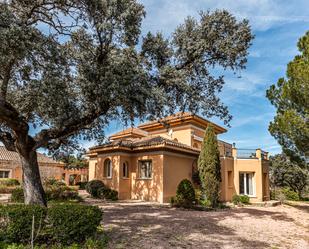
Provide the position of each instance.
(145, 169)
(125, 170)
(4, 173)
(107, 168)
(246, 183)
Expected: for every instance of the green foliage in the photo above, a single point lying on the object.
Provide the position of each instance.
(82, 185)
(9, 182)
(290, 96)
(16, 222)
(282, 194)
(109, 194)
(17, 195)
(52, 182)
(286, 173)
(94, 187)
(72, 222)
(185, 194)
(59, 224)
(209, 167)
(238, 199)
(68, 81)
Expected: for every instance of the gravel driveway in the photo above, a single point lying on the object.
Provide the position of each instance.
(142, 225)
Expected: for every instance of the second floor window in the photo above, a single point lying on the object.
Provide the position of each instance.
(107, 168)
(145, 169)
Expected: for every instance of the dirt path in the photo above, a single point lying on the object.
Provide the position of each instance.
(142, 225)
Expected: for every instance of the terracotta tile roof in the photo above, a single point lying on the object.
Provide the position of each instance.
(6, 155)
(130, 131)
(144, 142)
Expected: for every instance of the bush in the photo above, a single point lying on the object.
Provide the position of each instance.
(290, 194)
(237, 199)
(70, 223)
(61, 224)
(9, 182)
(7, 189)
(17, 195)
(283, 194)
(108, 194)
(94, 188)
(16, 222)
(60, 193)
(52, 182)
(82, 185)
(185, 195)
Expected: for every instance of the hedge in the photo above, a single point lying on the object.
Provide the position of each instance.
(60, 223)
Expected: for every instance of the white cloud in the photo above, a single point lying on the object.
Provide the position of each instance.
(262, 14)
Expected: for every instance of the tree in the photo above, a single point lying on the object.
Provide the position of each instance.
(209, 167)
(286, 173)
(291, 98)
(69, 67)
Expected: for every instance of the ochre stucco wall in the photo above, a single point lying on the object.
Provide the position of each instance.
(176, 168)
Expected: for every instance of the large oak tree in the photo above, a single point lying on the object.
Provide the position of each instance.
(68, 67)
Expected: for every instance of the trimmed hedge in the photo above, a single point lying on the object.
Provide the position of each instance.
(60, 223)
(16, 222)
(18, 195)
(283, 194)
(70, 223)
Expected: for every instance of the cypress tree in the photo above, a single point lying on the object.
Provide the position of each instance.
(209, 167)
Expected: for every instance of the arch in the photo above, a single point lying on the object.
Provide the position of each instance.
(107, 171)
(175, 139)
(125, 170)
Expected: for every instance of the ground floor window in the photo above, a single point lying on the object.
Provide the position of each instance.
(246, 183)
(4, 173)
(145, 169)
(125, 170)
(107, 168)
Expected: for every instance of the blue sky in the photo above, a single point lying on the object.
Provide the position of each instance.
(277, 26)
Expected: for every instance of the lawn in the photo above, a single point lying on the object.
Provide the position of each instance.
(142, 225)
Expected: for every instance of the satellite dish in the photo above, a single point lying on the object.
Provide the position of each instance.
(170, 132)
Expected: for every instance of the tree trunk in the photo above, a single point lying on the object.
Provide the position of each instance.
(32, 185)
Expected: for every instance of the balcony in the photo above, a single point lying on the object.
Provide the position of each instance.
(250, 154)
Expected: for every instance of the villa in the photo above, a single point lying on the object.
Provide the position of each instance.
(148, 162)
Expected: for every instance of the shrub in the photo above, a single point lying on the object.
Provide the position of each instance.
(283, 194)
(6, 189)
(70, 223)
(82, 185)
(9, 182)
(290, 194)
(108, 194)
(52, 182)
(16, 222)
(185, 195)
(237, 199)
(94, 188)
(60, 193)
(61, 224)
(17, 195)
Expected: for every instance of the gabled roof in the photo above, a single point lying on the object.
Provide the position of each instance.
(178, 119)
(130, 132)
(142, 143)
(6, 155)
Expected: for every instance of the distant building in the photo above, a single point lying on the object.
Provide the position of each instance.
(10, 166)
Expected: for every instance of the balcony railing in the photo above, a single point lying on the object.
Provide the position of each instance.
(246, 153)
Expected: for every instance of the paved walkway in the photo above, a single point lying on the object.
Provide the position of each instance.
(146, 225)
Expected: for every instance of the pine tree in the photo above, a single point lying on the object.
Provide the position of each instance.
(209, 167)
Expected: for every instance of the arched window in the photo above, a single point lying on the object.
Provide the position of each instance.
(125, 170)
(107, 168)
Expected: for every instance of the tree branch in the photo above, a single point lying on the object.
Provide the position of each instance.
(8, 141)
